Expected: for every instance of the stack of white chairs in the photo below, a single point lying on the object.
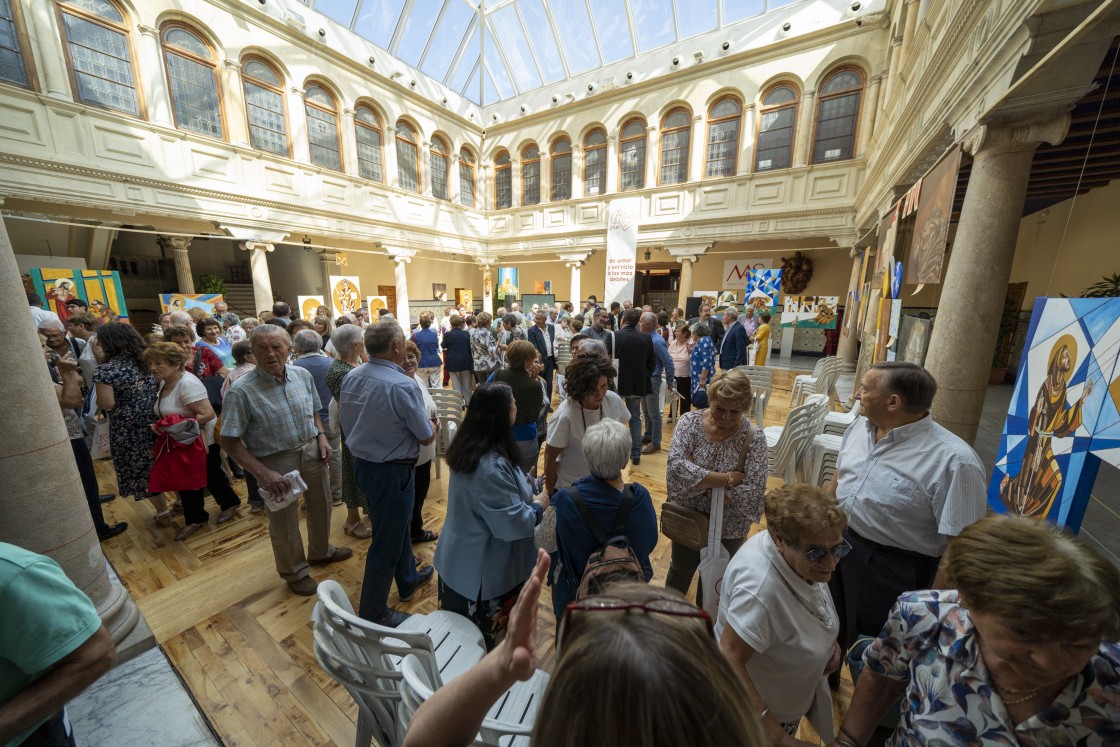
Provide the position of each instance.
(788, 444)
(821, 381)
(823, 453)
(510, 720)
(449, 410)
(836, 423)
(762, 384)
(365, 657)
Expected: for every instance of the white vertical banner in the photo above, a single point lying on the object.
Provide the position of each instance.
(622, 248)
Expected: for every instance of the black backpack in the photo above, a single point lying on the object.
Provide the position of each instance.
(615, 559)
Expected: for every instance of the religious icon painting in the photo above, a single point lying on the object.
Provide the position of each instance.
(346, 294)
(1064, 416)
(763, 287)
(309, 306)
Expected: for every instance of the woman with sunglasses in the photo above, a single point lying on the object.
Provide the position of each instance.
(635, 665)
(777, 624)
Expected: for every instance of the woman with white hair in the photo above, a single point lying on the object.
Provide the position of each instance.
(351, 353)
(604, 497)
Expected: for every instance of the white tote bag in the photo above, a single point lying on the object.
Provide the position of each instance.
(714, 558)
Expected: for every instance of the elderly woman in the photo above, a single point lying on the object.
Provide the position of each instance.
(705, 454)
(606, 447)
(680, 350)
(484, 348)
(486, 553)
(201, 360)
(460, 366)
(423, 478)
(511, 331)
(1022, 649)
(520, 374)
(209, 333)
(590, 400)
(777, 624)
(702, 363)
(350, 353)
(426, 339)
(181, 393)
(126, 390)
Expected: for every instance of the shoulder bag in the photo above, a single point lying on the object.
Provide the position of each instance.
(213, 383)
(688, 527)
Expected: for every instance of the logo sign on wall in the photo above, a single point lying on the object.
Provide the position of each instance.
(622, 246)
(735, 271)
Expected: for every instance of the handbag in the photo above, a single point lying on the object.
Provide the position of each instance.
(177, 465)
(213, 384)
(99, 447)
(689, 527)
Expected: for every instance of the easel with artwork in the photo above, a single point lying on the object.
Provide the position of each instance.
(100, 289)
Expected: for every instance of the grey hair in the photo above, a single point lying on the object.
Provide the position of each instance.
(269, 329)
(732, 312)
(649, 316)
(380, 337)
(700, 329)
(606, 447)
(51, 323)
(182, 317)
(590, 345)
(308, 341)
(344, 338)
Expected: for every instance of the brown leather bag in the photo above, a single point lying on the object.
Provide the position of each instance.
(688, 527)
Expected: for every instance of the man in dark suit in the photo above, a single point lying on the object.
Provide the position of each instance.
(543, 336)
(733, 347)
(713, 323)
(636, 363)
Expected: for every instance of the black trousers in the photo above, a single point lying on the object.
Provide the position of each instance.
(52, 733)
(194, 511)
(869, 581)
(89, 482)
(423, 480)
(684, 388)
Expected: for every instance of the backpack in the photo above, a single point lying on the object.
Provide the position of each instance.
(615, 559)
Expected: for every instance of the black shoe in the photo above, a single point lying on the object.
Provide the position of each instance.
(635, 460)
(111, 530)
(393, 618)
(425, 575)
(106, 497)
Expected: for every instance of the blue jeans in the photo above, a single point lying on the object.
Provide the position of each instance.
(389, 490)
(634, 405)
(651, 408)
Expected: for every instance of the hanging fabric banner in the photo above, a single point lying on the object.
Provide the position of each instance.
(622, 247)
(931, 227)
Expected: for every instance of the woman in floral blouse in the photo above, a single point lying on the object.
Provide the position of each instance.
(1022, 650)
(704, 455)
(484, 348)
(702, 361)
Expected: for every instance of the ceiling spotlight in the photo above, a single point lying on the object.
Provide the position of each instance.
(444, 100)
(322, 33)
(629, 76)
(725, 46)
(523, 109)
(856, 6)
(590, 87)
(262, 2)
(676, 61)
(787, 26)
(412, 83)
(555, 99)
(372, 60)
(495, 117)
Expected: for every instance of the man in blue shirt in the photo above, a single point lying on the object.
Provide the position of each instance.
(308, 347)
(385, 421)
(651, 404)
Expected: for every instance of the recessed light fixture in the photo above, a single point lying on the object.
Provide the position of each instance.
(676, 61)
(322, 33)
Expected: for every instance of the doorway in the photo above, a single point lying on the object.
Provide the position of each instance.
(657, 284)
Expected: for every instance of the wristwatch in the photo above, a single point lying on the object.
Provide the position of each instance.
(320, 433)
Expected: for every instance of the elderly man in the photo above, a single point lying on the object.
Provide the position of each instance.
(714, 324)
(385, 422)
(749, 322)
(224, 315)
(282, 312)
(908, 487)
(636, 364)
(309, 355)
(184, 319)
(38, 313)
(57, 340)
(733, 347)
(271, 427)
(81, 326)
(652, 408)
(543, 337)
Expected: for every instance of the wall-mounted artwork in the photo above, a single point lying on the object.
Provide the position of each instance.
(100, 289)
(864, 302)
(931, 226)
(913, 339)
(346, 294)
(810, 312)
(542, 287)
(507, 283)
(375, 304)
(184, 301)
(735, 270)
(725, 299)
(763, 287)
(1064, 416)
(309, 307)
(439, 291)
(892, 332)
(465, 297)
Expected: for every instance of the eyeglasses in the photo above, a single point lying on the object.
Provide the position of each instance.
(603, 603)
(817, 554)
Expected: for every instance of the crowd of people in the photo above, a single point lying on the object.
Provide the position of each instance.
(986, 629)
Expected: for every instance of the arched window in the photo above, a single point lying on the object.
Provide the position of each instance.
(100, 54)
(561, 182)
(439, 154)
(837, 113)
(407, 167)
(776, 124)
(503, 181)
(675, 130)
(367, 131)
(192, 78)
(264, 107)
(723, 136)
(632, 154)
(530, 175)
(466, 177)
(13, 66)
(595, 163)
(322, 127)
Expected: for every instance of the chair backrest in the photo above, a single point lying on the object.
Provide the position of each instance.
(449, 410)
(762, 383)
(799, 423)
(446, 398)
(822, 364)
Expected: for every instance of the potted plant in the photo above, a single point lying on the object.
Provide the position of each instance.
(211, 284)
(1108, 287)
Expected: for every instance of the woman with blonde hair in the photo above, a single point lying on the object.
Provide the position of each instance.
(705, 454)
(1021, 649)
(777, 623)
(520, 373)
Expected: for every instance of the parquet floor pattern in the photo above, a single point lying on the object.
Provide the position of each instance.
(242, 642)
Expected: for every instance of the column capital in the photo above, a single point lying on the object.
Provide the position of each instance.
(328, 256)
(149, 31)
(988, 138)
(574, 259)
(348, 112)
(174, 243)
(232, 64)
(257, 246)
(298, 91)
(690, 253)
(401, 256)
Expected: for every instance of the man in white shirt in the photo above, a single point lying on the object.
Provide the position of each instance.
(38, 314)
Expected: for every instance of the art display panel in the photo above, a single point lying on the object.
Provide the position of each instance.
(810, 312)
(100, 289)
(763, 289)
(507, 283)
(183, 301)
(309, 306)
(375, 304)
(346, 294)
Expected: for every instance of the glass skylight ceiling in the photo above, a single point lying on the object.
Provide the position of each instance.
(516, 46)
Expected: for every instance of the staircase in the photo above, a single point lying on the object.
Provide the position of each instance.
(241, 299)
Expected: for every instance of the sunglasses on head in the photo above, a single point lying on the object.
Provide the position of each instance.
(837, 551)
(604, 603)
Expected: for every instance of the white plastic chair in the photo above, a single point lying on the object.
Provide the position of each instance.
(799, 382)
(762, 384)
(824, 452)
(364, 657)
(449, 410)
(508, 722)
(789, 443)
(836, 423)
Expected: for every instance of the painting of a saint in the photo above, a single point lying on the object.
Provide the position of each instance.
(346, 294)
(1032, 492)
(57, 297)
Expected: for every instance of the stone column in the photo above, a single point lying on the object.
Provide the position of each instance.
(613, 180)
(697, 149)
(685, 290)
(746, 141)
(328, 263)
(454, 183)
(483, 199)
(652, 157)
(515, 183)
(258, 265)
(964, 334)
(297, 120)
(43, 502)
(545, 178)
(806, 120)
(43, 33)
(156, 94)
(893, 77)
(487, 288)
(910, 26)
(401, 258)
(577, 171)
(349, 142)
(237, 122)
(867, 115)
(178, 246)
(848, 348)
(574, 261)
(423, 168)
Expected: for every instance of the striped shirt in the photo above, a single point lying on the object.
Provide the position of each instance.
(270, 415)
(911, 489)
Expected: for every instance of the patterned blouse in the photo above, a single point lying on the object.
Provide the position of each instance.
(930, 643)
(484, 349)
(692, 456)
(703, 357)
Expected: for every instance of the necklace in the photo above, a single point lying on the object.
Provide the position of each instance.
(1029, 694)
(583, 415)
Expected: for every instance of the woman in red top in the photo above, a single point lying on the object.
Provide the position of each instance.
(212, 365)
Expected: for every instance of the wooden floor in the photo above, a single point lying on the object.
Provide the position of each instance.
(242, 641)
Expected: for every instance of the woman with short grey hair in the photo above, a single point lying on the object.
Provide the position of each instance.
(606, 499)
(351, 353)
